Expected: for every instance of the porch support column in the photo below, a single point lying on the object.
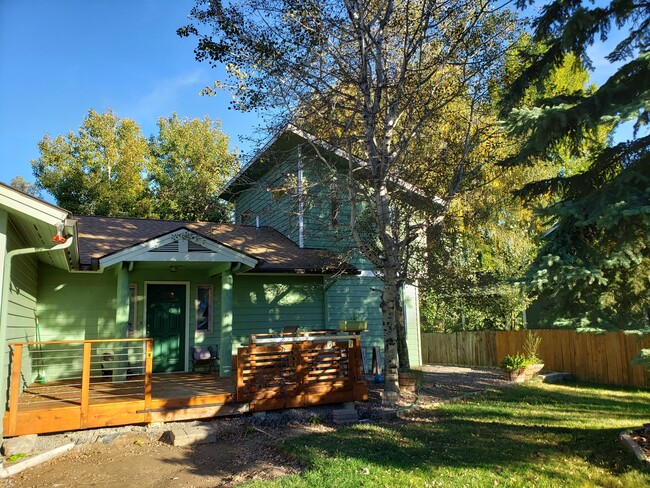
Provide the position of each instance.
(4, 300)
(121, 322)
(225, 349)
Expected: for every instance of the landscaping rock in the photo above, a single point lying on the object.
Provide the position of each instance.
(186, 436)
(556, 377)
(19, 445)
(627, 441)
(345, 416)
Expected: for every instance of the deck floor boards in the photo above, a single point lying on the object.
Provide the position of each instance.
(166, 386)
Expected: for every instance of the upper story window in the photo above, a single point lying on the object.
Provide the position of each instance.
(246, 217)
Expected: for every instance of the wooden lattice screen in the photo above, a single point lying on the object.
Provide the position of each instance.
(301, 373)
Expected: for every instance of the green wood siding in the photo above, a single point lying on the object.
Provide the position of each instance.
(355, 298)
(268, 303)
(23, 293)
(346, 297)
(279, 212)
(76, 305)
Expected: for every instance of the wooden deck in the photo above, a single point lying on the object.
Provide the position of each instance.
(272, 373)
(175, 396)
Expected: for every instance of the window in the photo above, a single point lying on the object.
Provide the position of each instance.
(203, 305)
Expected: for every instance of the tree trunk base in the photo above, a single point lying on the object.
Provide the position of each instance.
(389, 398)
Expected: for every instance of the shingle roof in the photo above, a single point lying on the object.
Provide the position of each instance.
(101, 236)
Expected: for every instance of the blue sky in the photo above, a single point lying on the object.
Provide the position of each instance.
(59, 58)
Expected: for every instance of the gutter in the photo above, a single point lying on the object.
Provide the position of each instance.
(4, 313)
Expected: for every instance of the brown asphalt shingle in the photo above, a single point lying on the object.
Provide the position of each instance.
(101, 236)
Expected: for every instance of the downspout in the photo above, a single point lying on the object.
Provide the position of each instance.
(4, 313)
(301, 204)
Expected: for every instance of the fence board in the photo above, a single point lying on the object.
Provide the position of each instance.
(600, 358)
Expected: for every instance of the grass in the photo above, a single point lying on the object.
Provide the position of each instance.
(535, 435)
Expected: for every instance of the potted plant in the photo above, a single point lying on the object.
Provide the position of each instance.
(358, 324)
(409, 380)
(514, 366)
(533, 363)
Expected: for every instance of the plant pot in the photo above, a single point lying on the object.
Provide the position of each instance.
(353, 325)
(518, 376)
(533, 370)
(408, 380)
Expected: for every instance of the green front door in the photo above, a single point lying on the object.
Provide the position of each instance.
(166, 325)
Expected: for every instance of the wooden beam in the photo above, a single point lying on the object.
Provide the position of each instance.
(85, 385)
(16, 365)
(148, 371)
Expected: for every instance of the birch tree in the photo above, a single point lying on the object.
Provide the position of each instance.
(372, 78)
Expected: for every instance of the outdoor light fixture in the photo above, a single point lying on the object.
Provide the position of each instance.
(59, 238)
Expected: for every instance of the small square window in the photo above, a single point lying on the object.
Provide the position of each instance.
(203, 308)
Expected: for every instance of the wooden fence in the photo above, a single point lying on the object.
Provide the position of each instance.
(599, 358)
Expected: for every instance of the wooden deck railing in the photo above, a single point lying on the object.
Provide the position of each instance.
(293, 370)
(77, 374)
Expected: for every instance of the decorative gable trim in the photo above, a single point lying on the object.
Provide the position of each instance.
(181, 245)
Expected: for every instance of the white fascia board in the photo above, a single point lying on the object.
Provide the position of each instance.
(141, 252)
(18, 202)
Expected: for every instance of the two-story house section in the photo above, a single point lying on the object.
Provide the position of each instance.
(297, 185)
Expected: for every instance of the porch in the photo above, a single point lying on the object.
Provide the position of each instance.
(71, 385)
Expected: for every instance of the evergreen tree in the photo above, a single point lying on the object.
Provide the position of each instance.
(594, 266)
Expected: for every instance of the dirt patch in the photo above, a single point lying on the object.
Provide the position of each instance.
(246, 447)
(242, 452)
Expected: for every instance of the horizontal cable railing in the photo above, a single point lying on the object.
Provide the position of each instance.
(54, 374)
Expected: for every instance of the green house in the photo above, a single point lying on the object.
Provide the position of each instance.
(286, 262)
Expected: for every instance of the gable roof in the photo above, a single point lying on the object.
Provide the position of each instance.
(100, 237)
(287, 137)
(290, 136)
(182, 245)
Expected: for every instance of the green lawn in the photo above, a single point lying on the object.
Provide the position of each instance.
(535, 435)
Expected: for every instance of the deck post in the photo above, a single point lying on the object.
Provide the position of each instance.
(239, 392)
(16, 365)
(225, 362)
(300, 351)
(85, 385)
(148, 371)
(359, 389)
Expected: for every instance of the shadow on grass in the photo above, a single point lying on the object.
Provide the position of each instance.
(561, 435)
(492, 432)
